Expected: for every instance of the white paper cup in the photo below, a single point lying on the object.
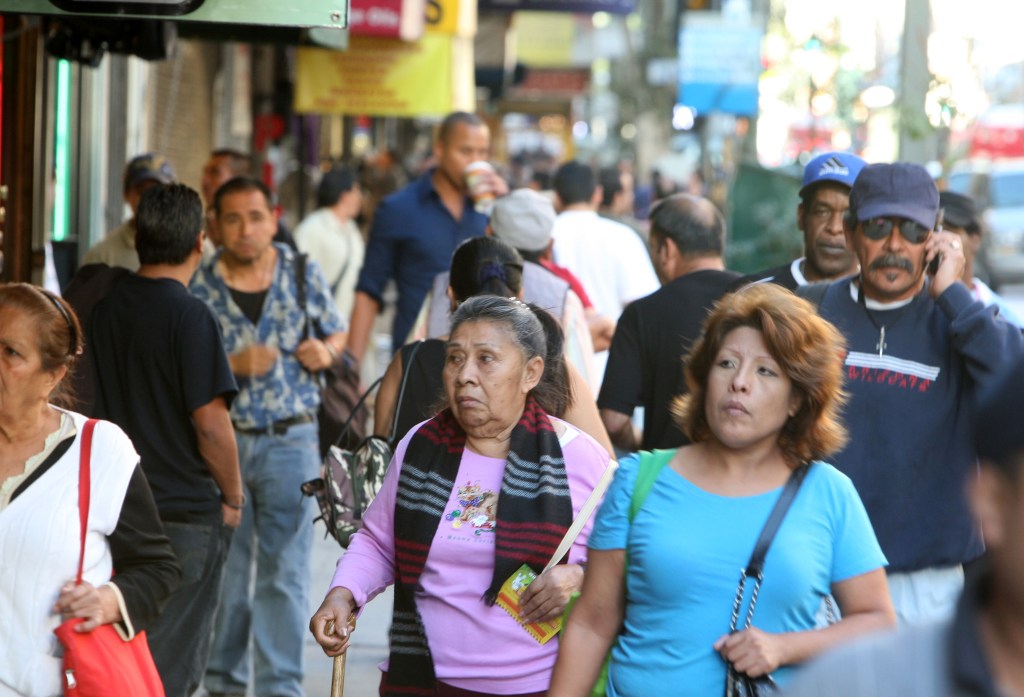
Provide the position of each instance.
(476, 175)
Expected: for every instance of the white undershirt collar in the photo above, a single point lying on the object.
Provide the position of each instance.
(797, 271)
(875, 304)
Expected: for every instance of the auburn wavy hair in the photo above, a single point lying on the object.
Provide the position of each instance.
(807, 348)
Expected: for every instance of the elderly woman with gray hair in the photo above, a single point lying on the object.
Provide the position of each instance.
(436, 529)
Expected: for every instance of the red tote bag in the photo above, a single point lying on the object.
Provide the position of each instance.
(100, 663)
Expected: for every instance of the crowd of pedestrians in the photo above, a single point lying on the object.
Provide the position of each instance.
(817, 464)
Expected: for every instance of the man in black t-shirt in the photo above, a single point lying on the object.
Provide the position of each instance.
(645, 365)
(163, 377)
(824, 199)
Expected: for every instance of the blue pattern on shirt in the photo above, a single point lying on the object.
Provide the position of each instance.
(288, 389)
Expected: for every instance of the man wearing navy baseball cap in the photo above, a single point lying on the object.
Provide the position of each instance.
(824, 198)
(920, 347)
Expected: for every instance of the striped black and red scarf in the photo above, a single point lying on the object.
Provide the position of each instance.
(534, 512)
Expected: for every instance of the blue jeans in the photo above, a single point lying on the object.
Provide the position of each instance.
(274, 541)
(180, 638)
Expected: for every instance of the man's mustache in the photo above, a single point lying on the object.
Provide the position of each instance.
(887, 261)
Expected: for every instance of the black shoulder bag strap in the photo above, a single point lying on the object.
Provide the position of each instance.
(300, 291)
(344, 267)
(355, 410)
(755, 567)
(406, 366)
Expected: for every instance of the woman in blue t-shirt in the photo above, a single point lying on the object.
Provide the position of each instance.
(765, 394)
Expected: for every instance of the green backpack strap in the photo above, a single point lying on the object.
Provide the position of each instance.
(651, 464)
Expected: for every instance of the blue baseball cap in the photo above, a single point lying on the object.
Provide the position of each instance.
(839, 167)
(899, 190)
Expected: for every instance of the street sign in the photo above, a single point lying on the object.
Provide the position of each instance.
(719, 64)
(301, 13)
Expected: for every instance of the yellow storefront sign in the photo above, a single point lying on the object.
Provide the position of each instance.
(386, 77)
(453, 17)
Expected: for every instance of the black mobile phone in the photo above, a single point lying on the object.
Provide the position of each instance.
(933, 265)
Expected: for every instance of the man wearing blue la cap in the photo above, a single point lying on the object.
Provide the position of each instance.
(920, 347)
(824, 198)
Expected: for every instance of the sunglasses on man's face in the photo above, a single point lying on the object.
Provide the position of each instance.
(880, 228)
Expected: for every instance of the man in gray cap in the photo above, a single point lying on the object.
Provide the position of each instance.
(523, 220)
(118, 248)
(920, 347)
(961, 217)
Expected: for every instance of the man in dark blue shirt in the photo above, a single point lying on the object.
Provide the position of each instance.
(920, 348)
(416, 229)
(977, 653)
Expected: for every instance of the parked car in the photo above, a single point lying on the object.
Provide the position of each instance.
(998, 133)
(998, 189)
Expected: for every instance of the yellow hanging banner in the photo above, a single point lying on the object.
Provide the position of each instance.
(386, 77)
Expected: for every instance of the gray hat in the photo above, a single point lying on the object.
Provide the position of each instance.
(523, 219)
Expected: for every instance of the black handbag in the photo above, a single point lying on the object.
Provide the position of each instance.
(739, 684)
(341, 416)
(742, 685)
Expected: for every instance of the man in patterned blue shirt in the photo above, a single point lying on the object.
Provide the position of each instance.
(251, 287)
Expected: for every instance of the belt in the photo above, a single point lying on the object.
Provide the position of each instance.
(276, 428)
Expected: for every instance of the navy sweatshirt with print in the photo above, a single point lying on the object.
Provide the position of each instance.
(911, 447)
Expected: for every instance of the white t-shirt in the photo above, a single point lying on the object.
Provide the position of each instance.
(609, 258)
(339, 249)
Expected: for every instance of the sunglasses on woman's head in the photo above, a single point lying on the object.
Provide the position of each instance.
(880, 228)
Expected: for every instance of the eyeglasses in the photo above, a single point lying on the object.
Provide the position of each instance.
(880, 228)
